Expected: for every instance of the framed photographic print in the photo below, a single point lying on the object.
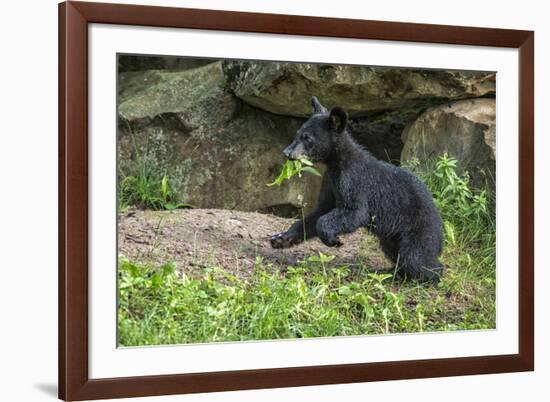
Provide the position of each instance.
(259, 200)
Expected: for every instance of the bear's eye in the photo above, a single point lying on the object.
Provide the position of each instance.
(306, 137)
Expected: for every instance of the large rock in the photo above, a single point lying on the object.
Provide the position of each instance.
(217, 151)
(465, 130)
(286, 88)
(127, 62)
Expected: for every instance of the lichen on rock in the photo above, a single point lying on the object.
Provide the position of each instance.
(465, 130)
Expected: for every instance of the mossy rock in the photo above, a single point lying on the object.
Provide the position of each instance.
(217, 151)
(286, 88)
(465, 130)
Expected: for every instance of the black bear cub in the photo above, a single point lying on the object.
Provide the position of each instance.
(360, 191)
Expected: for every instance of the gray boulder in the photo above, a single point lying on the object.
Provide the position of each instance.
(465, 130)
(127, 62)
(286, 88)
(217, 151)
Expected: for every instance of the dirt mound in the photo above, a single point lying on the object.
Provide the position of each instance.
(199, 238)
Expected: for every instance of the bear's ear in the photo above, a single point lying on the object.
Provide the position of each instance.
(317, 107)
(338, 119)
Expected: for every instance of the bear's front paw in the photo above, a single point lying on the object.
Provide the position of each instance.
(282, 240)
(332, 241)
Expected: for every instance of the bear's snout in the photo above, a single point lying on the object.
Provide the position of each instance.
(286, 152)
(294, 151)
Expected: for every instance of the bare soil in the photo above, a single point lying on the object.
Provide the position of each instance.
(199, 238)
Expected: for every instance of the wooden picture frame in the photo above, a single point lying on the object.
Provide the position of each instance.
(74, 381)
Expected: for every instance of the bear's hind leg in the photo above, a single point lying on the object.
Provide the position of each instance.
(415, 262)
(390, 247)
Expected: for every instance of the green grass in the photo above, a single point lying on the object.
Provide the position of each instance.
(316, 298)
(148, 188)
(147, 191)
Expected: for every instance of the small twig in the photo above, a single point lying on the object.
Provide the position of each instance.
(136, 239)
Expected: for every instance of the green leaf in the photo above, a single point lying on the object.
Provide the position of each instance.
(164, 184)
(311, 170)
(293, 168)
(344, 290)
(170, 206)
(283, 175)
(168, 268)
(156, 280)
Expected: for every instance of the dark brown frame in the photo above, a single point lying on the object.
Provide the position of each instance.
(74, 383)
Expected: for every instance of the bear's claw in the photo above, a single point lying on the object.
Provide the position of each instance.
(281, 240)
(334, 242)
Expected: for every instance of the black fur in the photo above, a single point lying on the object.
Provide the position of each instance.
(360, 191)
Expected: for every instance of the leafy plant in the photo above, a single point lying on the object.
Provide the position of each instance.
(468, 213)
(148, 191)
(290, 169)
(149, 187)
(293, 168)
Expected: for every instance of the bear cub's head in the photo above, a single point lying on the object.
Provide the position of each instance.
(318, 135)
